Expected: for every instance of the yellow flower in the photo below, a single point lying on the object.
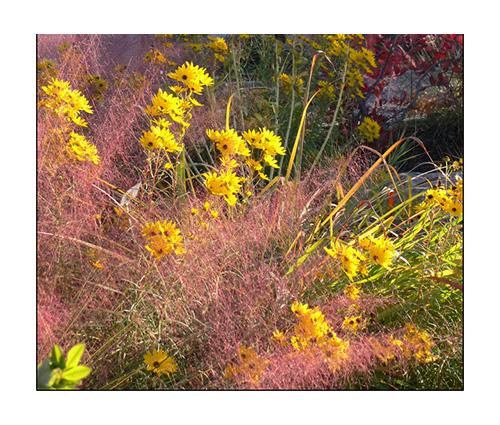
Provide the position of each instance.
(214, 213)
(163, 239)
(65, 102)
(165, 104)
(226, 184)
(192, 76)
(352, 291)
(299, 309)
(195, 211)
(380, 250)
(155, 56)
(160, 362)
(254, 165)
(279, 336)
(228, 143)
(79, 149)
(369, 129)
(335, 352)
(352, 323)
(218, 44)
(350, 258)
(160, 138)
(206, 205)
(253, 138)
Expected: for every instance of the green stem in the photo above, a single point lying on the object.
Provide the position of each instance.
(334, 120)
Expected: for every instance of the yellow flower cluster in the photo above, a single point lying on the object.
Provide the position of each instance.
(314, 332)
(266, 145)
(353, 324)
(360, 60)
(159, 362)
(163, 238)
(79, 149)
(352, 260)
(157, 57)
(415, 343)
(219, 47)
(380, 250)
(194, 78)
(250, 366)
(449, 200)
(364, 59)
(289, 83)
(352, 291)
(369, 129)
(170, 108)
(228, 143)
(166, 105)
(65, 101)
(226, 184)
(418, 344)
(160, 137)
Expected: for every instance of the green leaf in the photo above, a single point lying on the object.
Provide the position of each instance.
(57, 357)
(43, 374)
(74, 355)
(55, 378)
(76, 373)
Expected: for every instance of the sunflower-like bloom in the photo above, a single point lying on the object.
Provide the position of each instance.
(253, 138)
(351, 259)
(369, 129)
(66, 102)
(450, 201)
(192, 76)
(160, 138)
(271, 142)
(380, 250)
(163, 239)
(226, 184)
(269, 145)
(314, 331)
(352, 291)
(160, 362)
(79, 149)
(155, 56)
(228, 143)
(352, 323)
(218, 45)
(165, 104)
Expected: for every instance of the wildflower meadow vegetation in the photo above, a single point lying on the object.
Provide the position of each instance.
(250, 212)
